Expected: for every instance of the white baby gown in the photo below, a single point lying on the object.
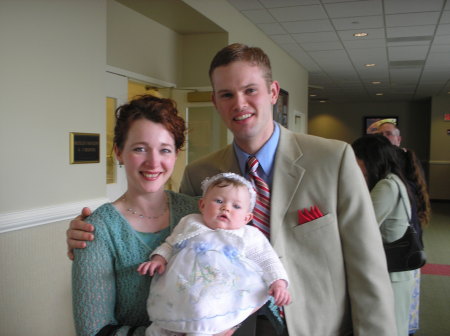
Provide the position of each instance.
(208, 285)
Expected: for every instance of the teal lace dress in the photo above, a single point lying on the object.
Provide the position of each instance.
(106, 287)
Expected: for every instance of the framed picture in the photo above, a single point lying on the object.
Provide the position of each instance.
(370, 124)
(280, 109)
(84, 147)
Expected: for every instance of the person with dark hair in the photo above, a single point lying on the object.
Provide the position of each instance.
(420, 218)
(392, 199)
(109, 296)
(314, 207)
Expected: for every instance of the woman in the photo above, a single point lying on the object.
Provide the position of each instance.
(109, 295)
(391, 199)
(421, 213)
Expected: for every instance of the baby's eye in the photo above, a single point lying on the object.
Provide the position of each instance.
(236, 206)
(218, 201)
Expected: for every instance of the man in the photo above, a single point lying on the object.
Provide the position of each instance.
(388, 128)
(336, 263)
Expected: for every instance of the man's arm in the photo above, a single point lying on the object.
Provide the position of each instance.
(368, 281)
(79, 232)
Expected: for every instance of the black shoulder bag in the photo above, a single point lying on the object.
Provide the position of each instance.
(406, 253)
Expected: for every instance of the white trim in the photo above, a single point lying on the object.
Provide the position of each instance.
(139, 77)
(39, 216)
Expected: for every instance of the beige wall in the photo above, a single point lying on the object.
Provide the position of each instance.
(52, 70)
(344, 121)
(51, 83)
(440, 149)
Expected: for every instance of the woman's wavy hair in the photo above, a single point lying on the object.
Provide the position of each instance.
(158, 110)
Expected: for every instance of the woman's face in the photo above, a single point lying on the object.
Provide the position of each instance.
(149, 156)
(362, 165)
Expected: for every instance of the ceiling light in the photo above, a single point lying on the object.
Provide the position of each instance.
(360, 34)
(379, 94)
(369, 65)
(375, 82)
(313, 95)
(322, 101)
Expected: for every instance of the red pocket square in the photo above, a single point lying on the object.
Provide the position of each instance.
(306, 215)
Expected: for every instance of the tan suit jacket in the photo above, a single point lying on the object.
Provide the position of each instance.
(336, 264)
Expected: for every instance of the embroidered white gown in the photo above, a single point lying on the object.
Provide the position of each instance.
(214, 279)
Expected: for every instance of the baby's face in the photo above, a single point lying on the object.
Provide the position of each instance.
(226, 207)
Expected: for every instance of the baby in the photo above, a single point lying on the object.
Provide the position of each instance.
(213, 271)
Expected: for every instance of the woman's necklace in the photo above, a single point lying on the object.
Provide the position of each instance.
(143, 216)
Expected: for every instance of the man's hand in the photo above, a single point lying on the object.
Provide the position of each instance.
(79, 232)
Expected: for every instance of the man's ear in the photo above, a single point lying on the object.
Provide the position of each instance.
(275, 91)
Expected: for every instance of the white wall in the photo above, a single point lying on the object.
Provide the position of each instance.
(51, 83)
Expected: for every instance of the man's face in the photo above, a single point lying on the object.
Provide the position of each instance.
(244, 101)
(391, 132)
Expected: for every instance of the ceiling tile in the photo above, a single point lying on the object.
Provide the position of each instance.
(271, 28)
(359, 22)
(316, 37)
(259, 16)
(309, 26)
(443, 29)
(283, 39)
(356, 44)
(246, 4)
(411, 6)
(298, 13)
(360, 57)
(413, 19)
(354, 8)
(322, 46)
(407, 53)
(445, 18)
(287, 3)
(427, 30)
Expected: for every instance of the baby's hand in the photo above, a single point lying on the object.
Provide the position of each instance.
(278, 289)
(157, 264)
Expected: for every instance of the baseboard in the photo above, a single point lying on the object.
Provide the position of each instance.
(40, 216)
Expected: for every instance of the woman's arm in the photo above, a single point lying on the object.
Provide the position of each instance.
(94, 287)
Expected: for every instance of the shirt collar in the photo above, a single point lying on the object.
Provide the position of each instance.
(265, 156)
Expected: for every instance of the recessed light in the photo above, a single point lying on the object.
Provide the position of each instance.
(369, 65)
(379, 94)
(322, 101)
(375, 82)
(313, 95)
(360, 34)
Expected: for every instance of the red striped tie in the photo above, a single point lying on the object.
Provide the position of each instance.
(261, 212)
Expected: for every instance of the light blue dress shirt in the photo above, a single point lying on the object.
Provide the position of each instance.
(265, 156)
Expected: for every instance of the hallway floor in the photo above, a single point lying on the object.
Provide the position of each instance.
(435, 281)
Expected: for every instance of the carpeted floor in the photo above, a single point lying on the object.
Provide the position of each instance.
(435, 282)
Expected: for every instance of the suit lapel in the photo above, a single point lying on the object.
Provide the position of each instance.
(288, 175)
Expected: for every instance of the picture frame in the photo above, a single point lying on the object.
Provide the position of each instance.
(280, 109)
(84, 148)
(370, 123)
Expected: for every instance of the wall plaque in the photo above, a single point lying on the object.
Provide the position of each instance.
(84, 147)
